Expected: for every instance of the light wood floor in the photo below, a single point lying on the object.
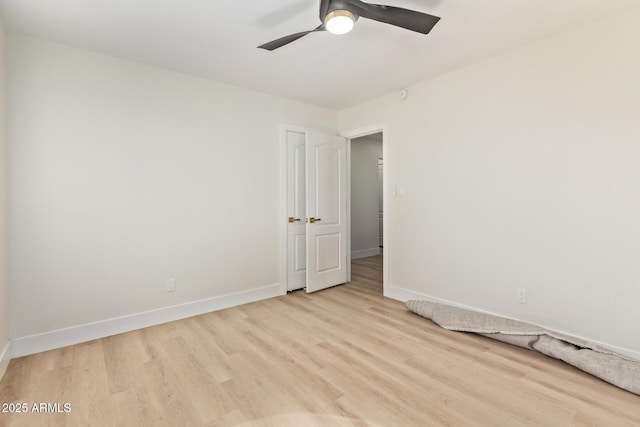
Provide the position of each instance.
(343, 356)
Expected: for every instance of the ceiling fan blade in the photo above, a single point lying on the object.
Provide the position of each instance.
(282, 41)
(282, 14)
(404, 18)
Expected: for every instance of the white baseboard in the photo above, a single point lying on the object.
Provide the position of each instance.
(363, 253)
(405, 295)
(90, 331)
(5, 357)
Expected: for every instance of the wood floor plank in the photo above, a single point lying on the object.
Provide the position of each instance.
(345, 356)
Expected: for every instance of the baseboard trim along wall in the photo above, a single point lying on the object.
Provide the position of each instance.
(90, 331)
(405, 295)
(363, 253)
(5, 357)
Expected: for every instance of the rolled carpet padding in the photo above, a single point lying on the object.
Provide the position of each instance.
(601, 362)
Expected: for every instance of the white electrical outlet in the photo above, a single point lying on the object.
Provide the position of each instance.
(522, 296)
(171, 285)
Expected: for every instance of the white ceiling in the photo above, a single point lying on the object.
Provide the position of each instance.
(217, 39)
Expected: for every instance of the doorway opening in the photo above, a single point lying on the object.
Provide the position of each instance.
(369, 246)
(367, 211)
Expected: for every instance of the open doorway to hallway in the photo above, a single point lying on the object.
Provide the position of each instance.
(367, 210)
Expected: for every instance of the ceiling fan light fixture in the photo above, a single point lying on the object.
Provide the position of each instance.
(339, 17)
(339, 21)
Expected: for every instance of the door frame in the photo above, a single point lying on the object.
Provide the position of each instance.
(358, 133)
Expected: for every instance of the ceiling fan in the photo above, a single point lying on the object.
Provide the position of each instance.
(339, 16)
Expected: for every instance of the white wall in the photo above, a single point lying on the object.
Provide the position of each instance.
(523, 171)
(124, 175)
(4, 239)
(365, 153)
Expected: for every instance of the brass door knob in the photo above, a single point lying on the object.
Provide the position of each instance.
(312, 220)
(292, 219)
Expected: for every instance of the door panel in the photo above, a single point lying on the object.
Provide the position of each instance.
(326, 202)
(328, 184)
(300, 254)
(327, 258)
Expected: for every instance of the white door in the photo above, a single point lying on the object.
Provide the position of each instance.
(326, 208)
(296, 227)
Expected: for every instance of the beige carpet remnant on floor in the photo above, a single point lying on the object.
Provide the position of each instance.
(603, 363)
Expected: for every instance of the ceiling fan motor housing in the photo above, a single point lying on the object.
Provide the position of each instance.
(339, 5)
